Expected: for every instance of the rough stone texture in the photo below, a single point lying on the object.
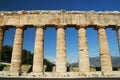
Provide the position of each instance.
(6, 68)
(60, 17)
(17, 51)
(115, 74)
(84, 65)
(25, 68)
(118, 34)
(54, 69)
(61, 51)
(105, 59)
(38, 50)
(1, 41)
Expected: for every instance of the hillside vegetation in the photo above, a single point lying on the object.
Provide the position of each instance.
(27, 57)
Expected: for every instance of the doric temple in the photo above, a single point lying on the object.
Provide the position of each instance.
(81, 20)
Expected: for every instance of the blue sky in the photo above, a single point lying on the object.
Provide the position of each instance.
(71, 33)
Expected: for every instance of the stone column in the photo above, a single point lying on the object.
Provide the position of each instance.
(1, 41)
(84, 65)
(118, 35)
(105, 59)
(61, 50)
(39, 51)
(16, 59)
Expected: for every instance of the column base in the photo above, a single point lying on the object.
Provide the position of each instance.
(83, 74)
(59, 75)
(55, 74)
(107, 73)
(9, 73)
(37, 74)
(15, 73)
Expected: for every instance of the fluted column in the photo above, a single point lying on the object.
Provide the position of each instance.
(105, 59)
(118, 35)
(1, 41)
(39, 50)
(84, 65)
(61, 50)
(16, 59)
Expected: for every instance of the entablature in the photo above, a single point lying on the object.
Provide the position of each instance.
(60, 17)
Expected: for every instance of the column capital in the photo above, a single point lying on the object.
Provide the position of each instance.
(100, 27)
(81, 26)
(116, 28)
(61, 26)
(40, 26)
(20, 26)
(4, 28)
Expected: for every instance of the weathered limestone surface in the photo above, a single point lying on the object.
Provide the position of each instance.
(84, 65)
(54, 17)
(17, 51)
(61, 51)
(118, 35)
(1, 41)
(39, 50)
(106, 66)
(54, 69)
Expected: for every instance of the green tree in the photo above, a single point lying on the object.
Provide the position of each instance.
(48, 64)
(6, 53)
(27, 57)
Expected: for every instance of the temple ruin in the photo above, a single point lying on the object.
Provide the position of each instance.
(41, 19)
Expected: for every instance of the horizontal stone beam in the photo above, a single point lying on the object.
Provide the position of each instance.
(62, 17)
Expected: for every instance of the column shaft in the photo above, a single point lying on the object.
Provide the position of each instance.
(38, 51)
(84, 65)
(1, 41)
(61, 51)
(106, 66)
(17, 51)
(118, 35)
